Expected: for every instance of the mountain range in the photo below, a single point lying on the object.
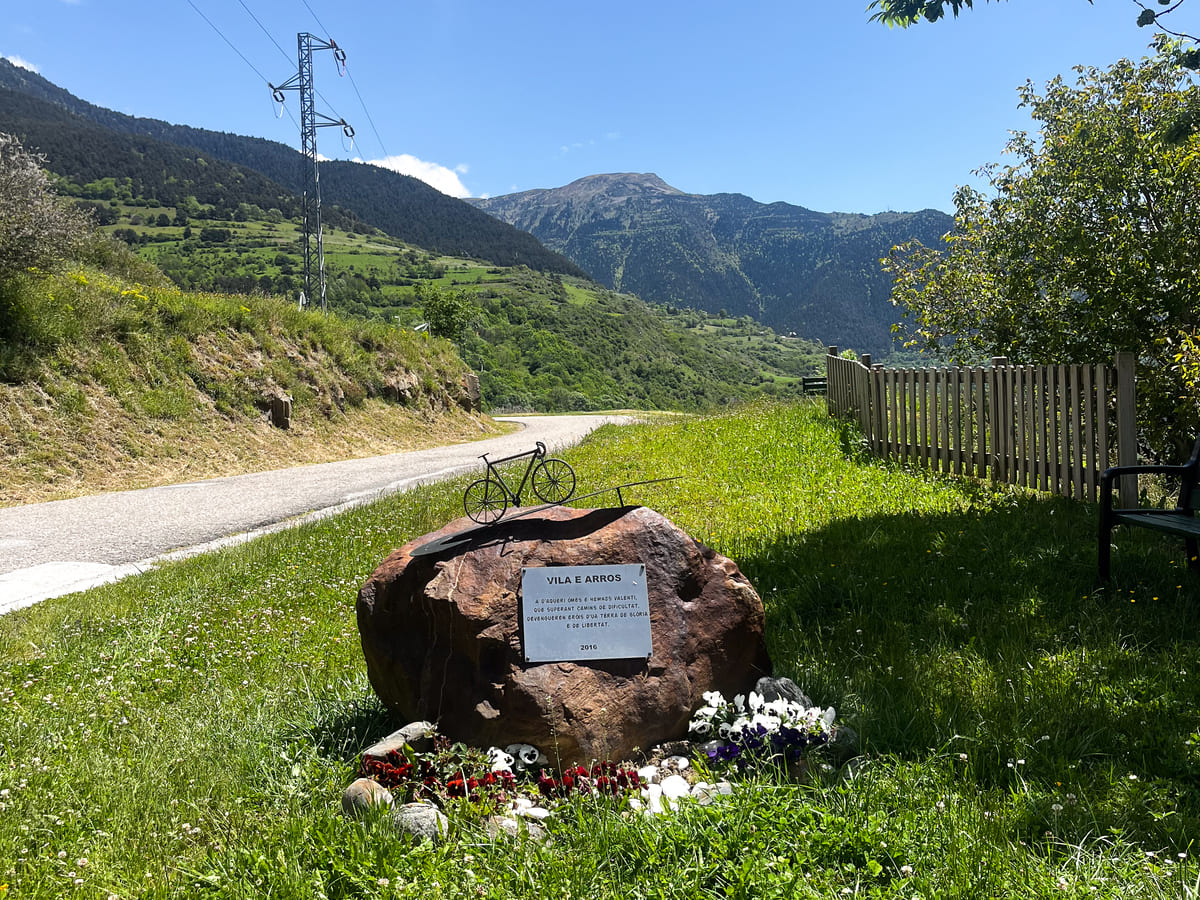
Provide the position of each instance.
(788, 267)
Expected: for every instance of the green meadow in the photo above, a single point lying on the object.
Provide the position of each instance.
(189, 732)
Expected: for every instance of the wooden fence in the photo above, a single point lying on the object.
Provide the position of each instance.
(1050, 428)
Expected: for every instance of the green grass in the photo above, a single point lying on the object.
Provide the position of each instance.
(1025, 733)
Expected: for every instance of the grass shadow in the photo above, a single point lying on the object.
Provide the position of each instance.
(984, 634)
(345, 728)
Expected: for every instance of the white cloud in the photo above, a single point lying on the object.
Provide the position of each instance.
(444, 179)
(21, 63)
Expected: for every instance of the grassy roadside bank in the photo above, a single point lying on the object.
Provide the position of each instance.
(110, 383)
(188, 733)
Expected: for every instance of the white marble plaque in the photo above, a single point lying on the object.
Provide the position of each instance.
(585, 612)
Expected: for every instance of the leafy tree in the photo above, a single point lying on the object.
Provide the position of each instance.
(909, 12)
(1091, 244)
(37, 229)
(448, 313)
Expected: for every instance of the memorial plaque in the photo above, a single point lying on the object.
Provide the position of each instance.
(585, 612)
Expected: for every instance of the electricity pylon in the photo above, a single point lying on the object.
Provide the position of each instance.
(310, 121)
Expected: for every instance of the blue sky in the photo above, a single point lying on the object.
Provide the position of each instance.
(798, 101)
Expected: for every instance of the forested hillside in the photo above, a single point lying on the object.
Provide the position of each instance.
(90, 139)
(793, 269)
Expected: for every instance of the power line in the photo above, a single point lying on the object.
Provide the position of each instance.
(367, 114)
(264, 30)
(227, 41)
(232, 47)
(314, 15)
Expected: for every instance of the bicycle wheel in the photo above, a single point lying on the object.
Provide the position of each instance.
(553, 481)
(485, 501)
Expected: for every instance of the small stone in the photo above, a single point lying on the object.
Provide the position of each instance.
(521, 803)
(703, 793)
(501, 827)
(421, 821)
(362, 795)
(648, 774)
(776, 688)
(679, 763)
(675, 748)
(652, 794)
(506, 827)
(675, 786)
(844, 746)
(534, 812)
(417, 735)
(724, 787)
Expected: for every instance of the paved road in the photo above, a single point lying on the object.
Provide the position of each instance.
(51, 549)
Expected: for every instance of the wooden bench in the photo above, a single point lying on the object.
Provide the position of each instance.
(1180, 521)
(814, 384)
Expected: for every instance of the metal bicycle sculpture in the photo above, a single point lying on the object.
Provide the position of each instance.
(552, 480)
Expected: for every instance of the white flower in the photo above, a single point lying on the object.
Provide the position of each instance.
(706, 712)
(739, 702)
(702, 726)
(770, 723)
(714, 698)
(499, 760)
(756, 701)
(530, 755)
(828, 716)
(779, 707)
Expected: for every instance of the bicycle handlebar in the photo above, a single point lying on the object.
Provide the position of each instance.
(539, 452)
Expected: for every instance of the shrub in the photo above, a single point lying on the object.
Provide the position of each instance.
(37, 228)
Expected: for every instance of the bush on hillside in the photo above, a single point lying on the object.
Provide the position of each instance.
(37, 229)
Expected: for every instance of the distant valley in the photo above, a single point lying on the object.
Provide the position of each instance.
(796, 270)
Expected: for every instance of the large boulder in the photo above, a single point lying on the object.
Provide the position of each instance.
(441, 632)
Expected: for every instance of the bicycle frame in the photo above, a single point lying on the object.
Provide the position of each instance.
(536, 454)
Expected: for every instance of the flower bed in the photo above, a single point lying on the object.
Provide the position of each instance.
(763, 729)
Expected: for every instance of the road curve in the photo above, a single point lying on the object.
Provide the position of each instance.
(51, 549)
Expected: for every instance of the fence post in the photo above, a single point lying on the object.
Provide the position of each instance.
(830, 382)
(868, 398)
(994, 410)
(1127, 425)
